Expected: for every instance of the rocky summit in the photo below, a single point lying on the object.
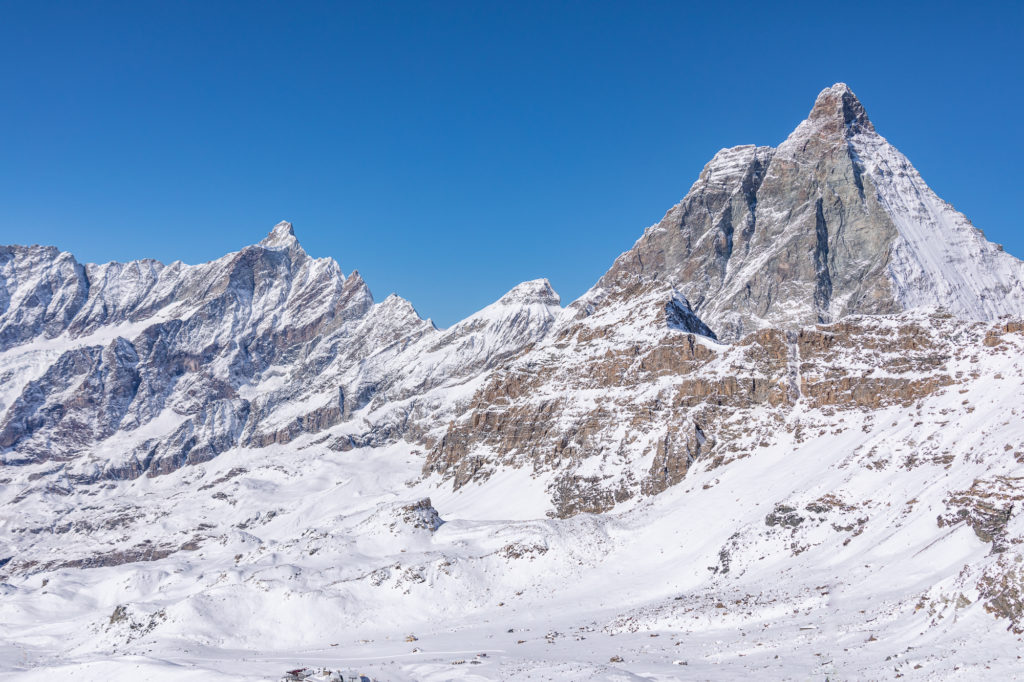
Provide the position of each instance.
(782, 435)
(832, 222)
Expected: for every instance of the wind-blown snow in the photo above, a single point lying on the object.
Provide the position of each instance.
(940, 258)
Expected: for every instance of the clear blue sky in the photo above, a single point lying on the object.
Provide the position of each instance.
(449, 150)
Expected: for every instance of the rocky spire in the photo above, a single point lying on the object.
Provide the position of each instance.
(282, 236)
(833, 222)
(838, 110)
(355, 295)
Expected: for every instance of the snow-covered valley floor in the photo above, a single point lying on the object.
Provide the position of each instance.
(819, 556)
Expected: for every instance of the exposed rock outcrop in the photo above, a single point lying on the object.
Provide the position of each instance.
(833, 222)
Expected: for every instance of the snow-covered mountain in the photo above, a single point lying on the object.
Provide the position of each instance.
(833, 222)
(781, 435)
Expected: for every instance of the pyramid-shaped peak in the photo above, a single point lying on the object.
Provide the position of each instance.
(395, 305)
(837, 109)
(531, 292)
(283, 235)
(355, 281)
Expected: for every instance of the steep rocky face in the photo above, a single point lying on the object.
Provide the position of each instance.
(157, 351)
(833, 222)
(41, 290)
(133, 368)
(777, 250)
(609, 419)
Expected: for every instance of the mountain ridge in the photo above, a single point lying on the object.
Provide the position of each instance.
(765, 238)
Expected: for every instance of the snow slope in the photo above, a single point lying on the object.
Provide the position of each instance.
(940, 258)
(307, 557)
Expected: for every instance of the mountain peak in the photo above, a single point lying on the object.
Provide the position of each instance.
(837, 109)
(833, 222)
(282, 236)
(534, 291)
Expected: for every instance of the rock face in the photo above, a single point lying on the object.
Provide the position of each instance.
(833, 222)
(785, 253)
(134, 343)
(608, 420)
(176, 364)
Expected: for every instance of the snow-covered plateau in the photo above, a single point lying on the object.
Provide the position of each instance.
(781, 438)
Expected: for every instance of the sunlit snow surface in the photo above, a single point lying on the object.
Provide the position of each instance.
(939, 257)
(306, 558)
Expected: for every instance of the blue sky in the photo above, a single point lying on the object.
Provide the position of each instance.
(449, 150)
